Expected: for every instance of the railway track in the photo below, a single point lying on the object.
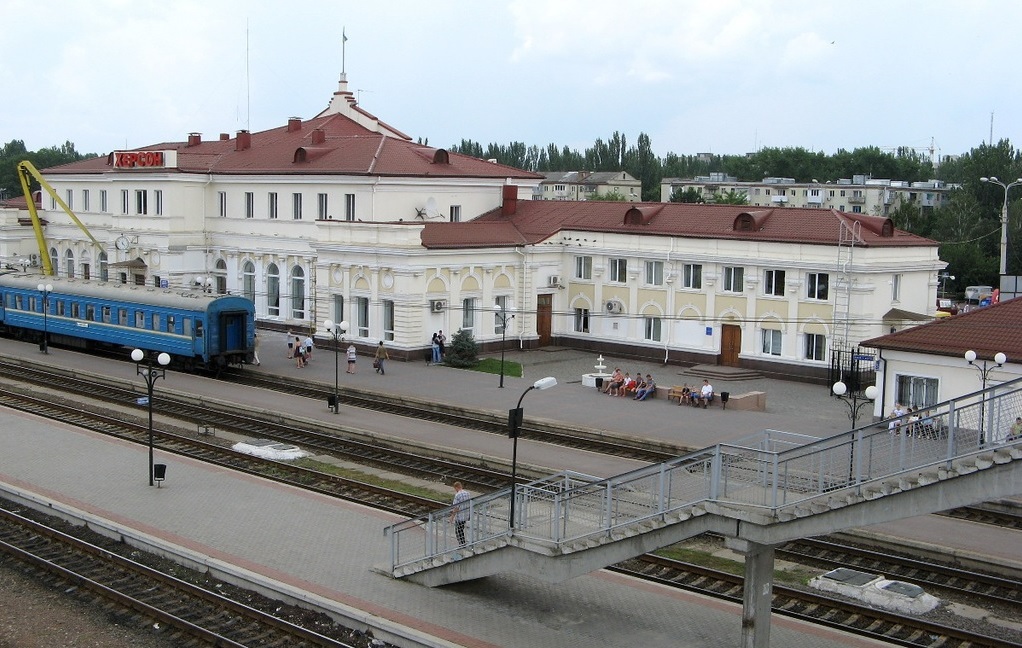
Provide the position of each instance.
(893, 628)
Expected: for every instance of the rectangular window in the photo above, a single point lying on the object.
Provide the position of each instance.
(362, 316)
(816, 347)
(222, 198)
(124, 201)
(106, 315)
(734, 279)
(896, 288)
(816, 285)
(856, 209)
(583, 267)
(186, 326)
(85, 200)
(455, 213)
(388, 319)
(338, 308)
(103, 204)
(171, 323)
(503, 312)
(70, 199)
(198, 328)
(122, 316)
(322, 205)
(158, 196)
(139, 319)
(296, 206)
(771, 342)
(773, 283)
(468, 313)
(349, 207)
(90, 312)
(916, 391)
(249, 204)
(693, 276)
(619, 270)
(76, 310)
(653, 329)
(141, 201)
(581, 320)
(271, 205)
(156, 322)
(655, 273)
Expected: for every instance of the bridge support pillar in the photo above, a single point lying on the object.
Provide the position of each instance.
(758, 591)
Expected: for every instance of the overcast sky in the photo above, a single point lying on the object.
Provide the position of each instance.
(721, 76)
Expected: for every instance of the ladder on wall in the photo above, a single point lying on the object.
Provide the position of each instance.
(849, 233)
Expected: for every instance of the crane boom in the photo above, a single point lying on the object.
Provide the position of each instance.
(26, 171)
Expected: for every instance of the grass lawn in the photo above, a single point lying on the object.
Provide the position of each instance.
(492, 365)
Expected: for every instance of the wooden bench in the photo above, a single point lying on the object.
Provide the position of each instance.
(675, 393)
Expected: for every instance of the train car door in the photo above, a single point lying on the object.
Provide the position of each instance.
(232, 332)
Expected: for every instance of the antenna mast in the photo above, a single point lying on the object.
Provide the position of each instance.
(344, 39)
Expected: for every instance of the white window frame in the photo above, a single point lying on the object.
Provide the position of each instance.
(468, 313)
(388, 320)
(581, 320)
(896, 288)
(811, 348)
(249, 204)
(584, 267)
(70, 199)
(618, 270)
(103, 201)
(349, 207)
(773, 283)
(653, 329)
(158, 197)
(323, 205)
(296, 206)
(692, 276)
(271, 205)
(141, 201)
(455, 213)
(125, 202)
(734, 279)
(814, 286)
(85, 200)
(362, 316)
(222, 203)
(502, 313)
(654, 273)
(772, 342)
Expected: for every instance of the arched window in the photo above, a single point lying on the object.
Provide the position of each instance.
(86, 266)
(104, 267)
(70, 261)
(221, 277)
(55, 261)
(272, 290)
(297, 293)
(248, 280)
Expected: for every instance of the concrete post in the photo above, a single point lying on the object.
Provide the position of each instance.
(758, 592)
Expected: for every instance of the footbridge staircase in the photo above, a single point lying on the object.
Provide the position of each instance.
(759, 493)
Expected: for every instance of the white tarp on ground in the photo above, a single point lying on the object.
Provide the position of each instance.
(270, 450)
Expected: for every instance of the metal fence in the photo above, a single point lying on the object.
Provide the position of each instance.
(773, 472)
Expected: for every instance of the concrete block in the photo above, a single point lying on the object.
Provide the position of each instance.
(750, 401)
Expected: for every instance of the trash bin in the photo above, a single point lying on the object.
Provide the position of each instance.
(159, 473)
(724, 397)
(331, 402)
(599, 384)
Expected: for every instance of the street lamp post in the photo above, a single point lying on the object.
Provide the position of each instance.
(852, 400)
(984, 373)
(45, 289)
(514, 428)
(944, 276)
(504, 316)
(1004, 218)
(150, 373)
(337, 331)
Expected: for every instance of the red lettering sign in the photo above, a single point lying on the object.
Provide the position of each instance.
(138, 159)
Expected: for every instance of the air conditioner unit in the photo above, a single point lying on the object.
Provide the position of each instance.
(34, 259)
(553, 281)
(438, 305)
(615, 307)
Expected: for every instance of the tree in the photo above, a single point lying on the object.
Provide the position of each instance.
(732, 197)
(463, 351)
(610, 196)
(14, 152)
(686, 195)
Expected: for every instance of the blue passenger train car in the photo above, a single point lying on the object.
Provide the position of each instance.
(198, 330)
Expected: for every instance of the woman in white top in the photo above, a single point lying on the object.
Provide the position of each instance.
(352, 356)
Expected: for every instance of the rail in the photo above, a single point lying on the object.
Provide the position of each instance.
(771, 474)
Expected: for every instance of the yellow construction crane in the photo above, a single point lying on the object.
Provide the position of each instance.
(25, 170)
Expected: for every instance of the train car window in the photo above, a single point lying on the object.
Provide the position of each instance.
(156, 321)
(122, 316)
(106, 315)
(139, 319)
(61, 305)
(32, 305)
(90, 312)
(198, 328)
(19, 302)
(187, 326)
(76, 310)
(170, 323)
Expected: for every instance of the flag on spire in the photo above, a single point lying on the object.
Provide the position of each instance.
(344, 39)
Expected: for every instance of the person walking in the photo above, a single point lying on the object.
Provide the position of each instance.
(299, 356)
(308, 348)
(290, 346)
(381, 355)
(255, 348)
(352, 357)
(460, 511)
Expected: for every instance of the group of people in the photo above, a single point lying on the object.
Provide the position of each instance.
(623, 384)
(439, 344)
(689, 396)
(912, 420)
(299, 350)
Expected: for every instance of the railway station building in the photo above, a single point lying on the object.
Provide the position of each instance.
(343, 217)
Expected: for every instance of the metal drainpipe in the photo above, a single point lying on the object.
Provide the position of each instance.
(521, 306)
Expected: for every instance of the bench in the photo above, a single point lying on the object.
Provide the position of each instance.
(674, 393)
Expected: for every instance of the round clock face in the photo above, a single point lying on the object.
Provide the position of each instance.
(121, 243)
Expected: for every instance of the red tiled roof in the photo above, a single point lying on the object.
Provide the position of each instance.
(346, 148)
(537, 220)
(986, 331)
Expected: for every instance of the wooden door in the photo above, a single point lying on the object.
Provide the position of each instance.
(544, 310)
(730, 344)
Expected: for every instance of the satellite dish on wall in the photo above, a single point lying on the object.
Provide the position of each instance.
(431, 209)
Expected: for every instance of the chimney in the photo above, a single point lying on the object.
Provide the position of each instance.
(244, 142)
(194, 139)
(510, 202)
(294, 124)
(224, 137)
(318, 136)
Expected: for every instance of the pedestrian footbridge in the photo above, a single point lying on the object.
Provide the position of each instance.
(759, 493)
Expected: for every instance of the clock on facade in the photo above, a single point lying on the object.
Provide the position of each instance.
(121, 243)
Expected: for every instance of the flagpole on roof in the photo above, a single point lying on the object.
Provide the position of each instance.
(344, 39)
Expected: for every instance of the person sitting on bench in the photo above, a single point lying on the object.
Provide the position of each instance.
(647, 389)
(704, 395)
